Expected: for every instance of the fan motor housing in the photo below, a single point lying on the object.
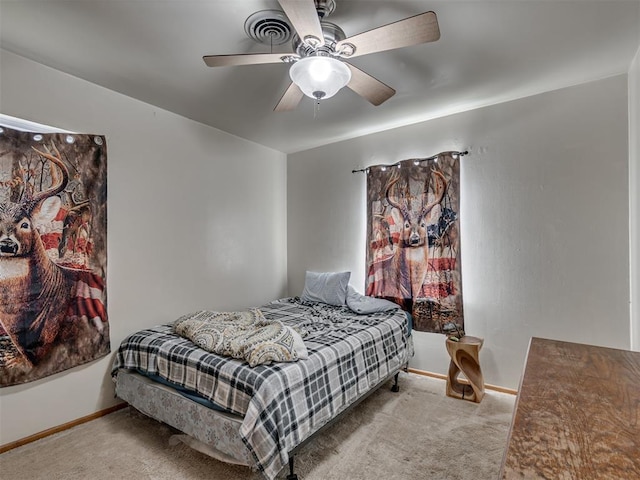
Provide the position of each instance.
(332, 34)
(325, 7)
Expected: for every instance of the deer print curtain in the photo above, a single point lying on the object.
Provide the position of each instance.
(53, 253)
(413, 240)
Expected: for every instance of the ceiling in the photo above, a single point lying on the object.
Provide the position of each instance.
(488, 52)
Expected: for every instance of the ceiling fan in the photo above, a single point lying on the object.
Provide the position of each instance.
(318, 63)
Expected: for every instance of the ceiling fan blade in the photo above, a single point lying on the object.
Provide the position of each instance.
(414, 30)
(246, 59)
(304, 19)
(290, 99)
(369, 87)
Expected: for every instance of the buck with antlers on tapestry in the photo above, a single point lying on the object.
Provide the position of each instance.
(53, 251)
(413, 247)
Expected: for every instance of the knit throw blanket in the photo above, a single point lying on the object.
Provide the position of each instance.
(245, 335)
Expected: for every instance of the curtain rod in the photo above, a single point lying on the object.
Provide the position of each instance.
(416, 161)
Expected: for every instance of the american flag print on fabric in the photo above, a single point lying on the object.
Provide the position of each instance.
(413, 239)
(53, 253)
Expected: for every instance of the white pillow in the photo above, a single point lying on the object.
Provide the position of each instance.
(327, 287)
(362, 304)
(298, 344)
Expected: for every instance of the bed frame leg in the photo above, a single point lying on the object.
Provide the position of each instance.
(395, 387)
(291, 476)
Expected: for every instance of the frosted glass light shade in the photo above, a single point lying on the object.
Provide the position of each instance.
(320, 77)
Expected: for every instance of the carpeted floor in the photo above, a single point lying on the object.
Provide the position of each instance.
(418, 433)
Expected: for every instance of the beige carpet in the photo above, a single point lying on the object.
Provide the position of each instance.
(418, 433)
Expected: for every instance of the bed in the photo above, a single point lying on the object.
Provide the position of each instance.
(258, 416)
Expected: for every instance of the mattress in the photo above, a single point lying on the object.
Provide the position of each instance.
(214, 428)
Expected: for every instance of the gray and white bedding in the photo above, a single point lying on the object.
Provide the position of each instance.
(246, 335)
(284, 403)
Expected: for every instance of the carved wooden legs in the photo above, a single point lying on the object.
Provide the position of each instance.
(464, 359)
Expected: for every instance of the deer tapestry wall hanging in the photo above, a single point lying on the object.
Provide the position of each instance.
(413, 240)
(53, 253)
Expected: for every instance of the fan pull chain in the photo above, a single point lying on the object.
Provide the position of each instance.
(316, 108)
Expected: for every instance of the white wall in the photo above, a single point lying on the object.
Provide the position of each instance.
(634, 198)
(544, 219)
(196, 219)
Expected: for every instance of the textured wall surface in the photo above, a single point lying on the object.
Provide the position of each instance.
(634, 198)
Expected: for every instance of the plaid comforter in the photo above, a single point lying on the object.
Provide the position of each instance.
(283, 403)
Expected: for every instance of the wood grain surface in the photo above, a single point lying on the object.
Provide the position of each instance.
(577, 414)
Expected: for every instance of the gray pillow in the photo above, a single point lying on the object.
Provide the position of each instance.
(327, 287)
(362, 304)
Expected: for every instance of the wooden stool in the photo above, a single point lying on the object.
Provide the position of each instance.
(464, 359)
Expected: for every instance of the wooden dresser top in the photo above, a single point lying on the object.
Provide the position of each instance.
(577, 414)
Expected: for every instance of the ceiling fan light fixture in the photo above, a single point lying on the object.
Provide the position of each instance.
(320, 77)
